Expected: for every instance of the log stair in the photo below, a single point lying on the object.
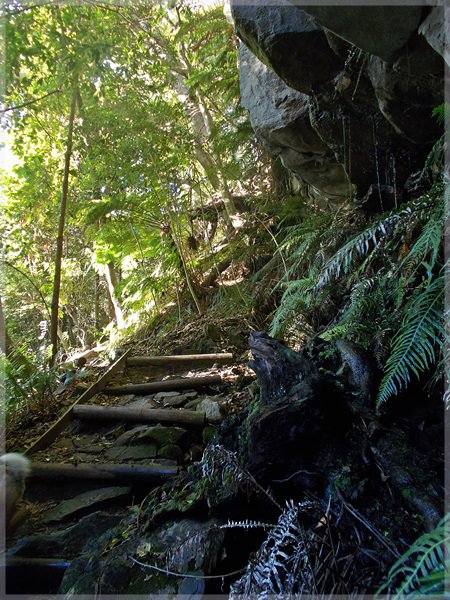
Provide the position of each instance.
(89, 412)
(80, 451)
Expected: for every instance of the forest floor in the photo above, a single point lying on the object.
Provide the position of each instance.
(307, 446)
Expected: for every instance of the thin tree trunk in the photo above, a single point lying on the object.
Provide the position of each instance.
(61, 225)
(202, 124)
(5, 342)
(111, 279)
(97, 302)
(187, 276)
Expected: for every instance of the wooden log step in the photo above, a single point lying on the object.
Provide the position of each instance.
(154, 473)
(144, 361)
(89, 412)
(168, 385)
(56, 428)
(32, 561)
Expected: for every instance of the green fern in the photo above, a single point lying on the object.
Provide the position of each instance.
(343, 330)
(376, 280)
(418, 341)
(425, 250)
(424, 566)
(391, 226)
(296, 300)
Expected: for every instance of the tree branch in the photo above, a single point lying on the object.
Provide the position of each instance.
(26, 8)
(5, 110)
(28, 278)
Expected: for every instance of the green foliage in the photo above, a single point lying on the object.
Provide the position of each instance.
(423, 568)
(417, 343)
(386, 278)
(305, 247)
(442, 112)
(27, 392)
(159, 136)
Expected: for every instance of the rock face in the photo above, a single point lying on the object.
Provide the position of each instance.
(436, 30)
(288, 39)
(280, 117)
(344, 95)
(378, 30)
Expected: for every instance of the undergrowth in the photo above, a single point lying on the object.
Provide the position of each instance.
(380, 285)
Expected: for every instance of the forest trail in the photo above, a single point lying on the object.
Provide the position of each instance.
(141, 423)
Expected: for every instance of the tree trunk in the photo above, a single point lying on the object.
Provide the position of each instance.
(62, 221)
(109, 472)
(202, 124)
(112, 281)
(181, 258)
(145, 361)
(5, 342)
(97, 302)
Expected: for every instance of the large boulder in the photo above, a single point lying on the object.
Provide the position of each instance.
(379, 30)
(184, 546)
(289, 41)
(280, 117)
(361, 122)
(436, 30)
(408, 90)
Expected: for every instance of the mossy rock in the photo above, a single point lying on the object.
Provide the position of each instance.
(171, 451)
(162, 436)
(209, 434)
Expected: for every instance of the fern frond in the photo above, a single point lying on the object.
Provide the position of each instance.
(422, 568)
(343, 330)
(425, 249)
(296, 299)
(247, 524)
(282, 566)
(416, 344)
(379, 231)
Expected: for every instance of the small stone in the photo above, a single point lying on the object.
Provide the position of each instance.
(88, 450)
(83, 501)
(132, 453)
(166, 462)
(64, 444)
(193, 403)
(161, 395)
(143, 402)
(176, 401)
(128, 436)
(212, 410)
(126, 399)
(163, 435)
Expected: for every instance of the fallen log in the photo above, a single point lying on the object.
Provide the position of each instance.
(109, 472)
(143, 361)
(186, 383)
(141, 415)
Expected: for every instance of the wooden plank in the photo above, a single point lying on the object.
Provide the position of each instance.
(167, 385)
(90, 412)
(34, 562)
(144, 361)
(52, 433)
(96, 471)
